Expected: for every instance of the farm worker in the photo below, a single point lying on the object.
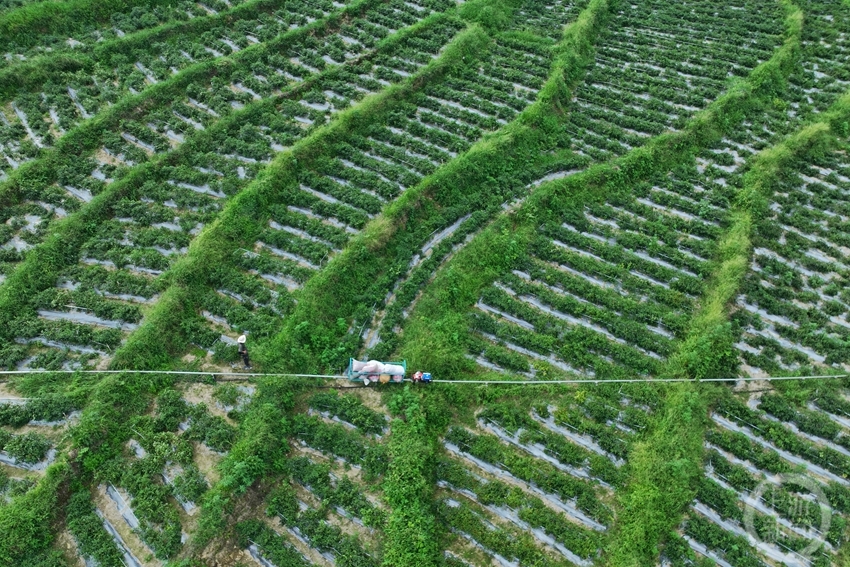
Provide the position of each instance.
(243, 350)
(417, 377)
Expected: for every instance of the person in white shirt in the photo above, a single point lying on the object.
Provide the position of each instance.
(243, 351)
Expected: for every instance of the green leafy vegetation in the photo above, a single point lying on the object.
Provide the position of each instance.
(577, 215)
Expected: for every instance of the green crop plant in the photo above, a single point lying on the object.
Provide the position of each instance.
(26, 521)
(576, 215)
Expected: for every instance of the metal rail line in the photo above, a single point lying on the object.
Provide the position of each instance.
(249, 375)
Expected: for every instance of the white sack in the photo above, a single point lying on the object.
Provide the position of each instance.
(394, 369)
(373, 367)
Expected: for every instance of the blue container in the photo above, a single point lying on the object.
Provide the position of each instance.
(426, 377)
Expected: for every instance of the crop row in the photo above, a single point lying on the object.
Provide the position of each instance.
(739, 474)
(817, 423)
(350, 446)
(311, 525)
(531, 433)
(728, 489)
(147, 16)
(27, 448)
(506, 545)
(350, 409)
(343, 495)
(356, 177)
(779, 435)
(43, 409)
(793, 310)
(270, 546)
(720, 505)
(191, 188)
(550, 480)
(86, 526)
(522, 510)
(660, 65)
(730, 547)
(715, 527)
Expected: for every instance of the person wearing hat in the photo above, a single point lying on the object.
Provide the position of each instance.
(243, 351)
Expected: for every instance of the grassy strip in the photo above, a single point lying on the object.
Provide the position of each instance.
(708, 350)
(99, 438)
(465, 182)
(31, 74)
(25, 523)
(233, 227)
(666, 467)
(26, 24)
(260, 451)
(86, 137)
(105, 425)
(434, 335)
(411, 527)
(411, 531)
(42, 264)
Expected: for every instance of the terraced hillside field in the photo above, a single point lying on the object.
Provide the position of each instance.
(616, 234)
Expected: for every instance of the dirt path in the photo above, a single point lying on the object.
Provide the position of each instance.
(313, 556)
(6, 391)
(110, 511)
(207, 462)
(203, 394)
(66, 543)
